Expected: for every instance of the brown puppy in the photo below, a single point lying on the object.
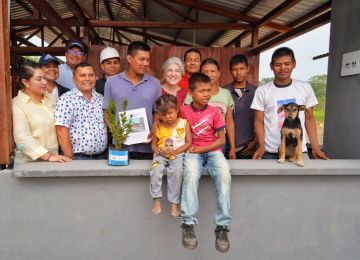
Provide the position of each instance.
(291, 134)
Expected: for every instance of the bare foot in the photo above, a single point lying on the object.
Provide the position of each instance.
(175, 211)
(156, 208)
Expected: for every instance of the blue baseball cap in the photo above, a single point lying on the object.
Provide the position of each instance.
(77, 43)
(46, 59)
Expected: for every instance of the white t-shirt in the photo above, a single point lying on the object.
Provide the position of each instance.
(268, 98)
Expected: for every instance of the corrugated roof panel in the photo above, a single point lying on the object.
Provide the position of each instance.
(19, 12)
(235, 4)
(160, 13)
(300, 9)
(61, 8)
(157, 12)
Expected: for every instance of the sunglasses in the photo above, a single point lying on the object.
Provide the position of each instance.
(77, 53)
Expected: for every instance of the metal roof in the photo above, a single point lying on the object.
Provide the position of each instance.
(169, 12)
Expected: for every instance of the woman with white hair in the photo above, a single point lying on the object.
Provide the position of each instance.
(173, 70)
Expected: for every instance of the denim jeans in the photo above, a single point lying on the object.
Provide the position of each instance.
(218, 169)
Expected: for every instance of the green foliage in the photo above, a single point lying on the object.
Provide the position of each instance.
(34, 59)
(265, 80)
(318, 83)
(120, 128)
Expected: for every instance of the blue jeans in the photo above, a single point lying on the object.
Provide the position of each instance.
(218, 169)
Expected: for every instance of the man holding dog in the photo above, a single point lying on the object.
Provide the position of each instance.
(270, 96)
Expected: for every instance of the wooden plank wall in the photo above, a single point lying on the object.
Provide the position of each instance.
(6, 139)
(159, 54)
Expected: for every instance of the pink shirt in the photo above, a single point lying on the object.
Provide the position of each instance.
(204, 124)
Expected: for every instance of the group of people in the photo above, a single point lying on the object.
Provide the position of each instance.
(196, 123)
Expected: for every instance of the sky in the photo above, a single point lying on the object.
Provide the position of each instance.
(305, 47)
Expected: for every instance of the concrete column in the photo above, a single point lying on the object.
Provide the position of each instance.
(342, 120)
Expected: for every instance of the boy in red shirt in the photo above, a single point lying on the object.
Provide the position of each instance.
(208, 135)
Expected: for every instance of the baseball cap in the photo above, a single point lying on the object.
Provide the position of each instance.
(108, 53)
(77, 43)
(46, 59)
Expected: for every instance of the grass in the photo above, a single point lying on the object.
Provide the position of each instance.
(319, 116)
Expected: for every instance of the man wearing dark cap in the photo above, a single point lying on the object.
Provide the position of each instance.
(50, 66)
(75, 54)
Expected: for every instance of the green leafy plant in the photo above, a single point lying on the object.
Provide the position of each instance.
(121, 126)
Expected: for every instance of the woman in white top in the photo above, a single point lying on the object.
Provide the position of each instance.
(33, 117)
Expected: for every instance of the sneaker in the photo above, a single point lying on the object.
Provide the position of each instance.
(222, 242)
(188, 236)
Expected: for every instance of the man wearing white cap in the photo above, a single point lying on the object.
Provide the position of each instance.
(110, 64)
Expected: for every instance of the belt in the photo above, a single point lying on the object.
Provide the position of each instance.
(94, 156)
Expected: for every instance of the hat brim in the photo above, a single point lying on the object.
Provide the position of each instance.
(72, 45)
(50, 61)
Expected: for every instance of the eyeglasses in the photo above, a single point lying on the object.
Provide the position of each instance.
(77, 53)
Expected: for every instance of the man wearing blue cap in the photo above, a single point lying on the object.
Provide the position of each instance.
(75, 54)
(50, 66)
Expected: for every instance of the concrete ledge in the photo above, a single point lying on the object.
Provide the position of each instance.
(99, 168)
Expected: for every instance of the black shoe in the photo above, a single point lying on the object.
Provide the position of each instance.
(188, 236)
(222, 242)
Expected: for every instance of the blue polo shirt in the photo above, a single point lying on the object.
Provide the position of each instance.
(65, 76)
(144, 94)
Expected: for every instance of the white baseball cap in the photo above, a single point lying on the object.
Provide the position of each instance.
(108, 53)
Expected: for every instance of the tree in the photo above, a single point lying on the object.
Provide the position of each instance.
(318, 83)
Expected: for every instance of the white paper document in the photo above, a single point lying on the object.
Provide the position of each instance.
(140, 126)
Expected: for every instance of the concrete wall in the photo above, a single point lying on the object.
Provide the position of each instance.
(286, 212)
(342, 121)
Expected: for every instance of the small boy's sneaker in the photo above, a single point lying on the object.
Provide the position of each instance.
(188, 236)
(222, 242)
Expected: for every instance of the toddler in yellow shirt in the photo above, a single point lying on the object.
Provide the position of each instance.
(172, 137)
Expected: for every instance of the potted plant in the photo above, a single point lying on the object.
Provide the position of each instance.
(120, 127)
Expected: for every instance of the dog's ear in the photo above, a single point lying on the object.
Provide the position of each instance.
(302, 108)
(280, 109)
